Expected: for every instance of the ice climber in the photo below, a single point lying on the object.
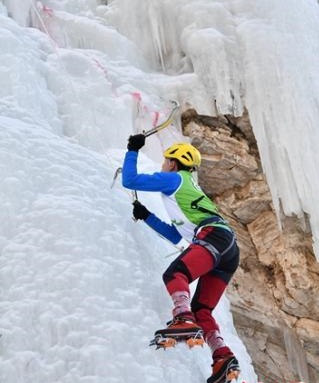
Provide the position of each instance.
(212, 256)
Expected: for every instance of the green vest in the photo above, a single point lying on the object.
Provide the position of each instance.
(188, 206)
(193, 201)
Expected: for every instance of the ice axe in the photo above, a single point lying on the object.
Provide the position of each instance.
(154, 130)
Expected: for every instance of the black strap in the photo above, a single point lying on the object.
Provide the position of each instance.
(194, 205)
(214, 219)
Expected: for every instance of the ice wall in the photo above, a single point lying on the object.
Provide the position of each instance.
(80, 288)
(254, 54)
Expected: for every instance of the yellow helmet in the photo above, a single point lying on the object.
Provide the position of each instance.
(185, 153)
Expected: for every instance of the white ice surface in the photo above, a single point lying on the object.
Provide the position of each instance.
(80, 282)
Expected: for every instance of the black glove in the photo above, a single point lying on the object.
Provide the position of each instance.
(140, 211)
(136, 142)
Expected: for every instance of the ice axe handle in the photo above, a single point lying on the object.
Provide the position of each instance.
(164, 124)
(158, 128)
(135, 199)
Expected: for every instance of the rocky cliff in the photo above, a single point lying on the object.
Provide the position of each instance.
(275, 292)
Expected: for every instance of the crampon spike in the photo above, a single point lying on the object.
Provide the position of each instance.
(232, 375)
(192, 342)
(166, 343)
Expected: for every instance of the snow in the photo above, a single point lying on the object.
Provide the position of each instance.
(81, 288)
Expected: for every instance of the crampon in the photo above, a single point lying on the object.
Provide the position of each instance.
(171, 340)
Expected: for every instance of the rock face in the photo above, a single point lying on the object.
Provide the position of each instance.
(275, 292)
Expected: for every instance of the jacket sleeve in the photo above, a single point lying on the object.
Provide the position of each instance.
(164, 229)
(164, 182)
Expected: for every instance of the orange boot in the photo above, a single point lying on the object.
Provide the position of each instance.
(182, 325)
(224, 370)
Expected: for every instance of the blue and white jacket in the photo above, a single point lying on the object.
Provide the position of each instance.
(186, 204)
